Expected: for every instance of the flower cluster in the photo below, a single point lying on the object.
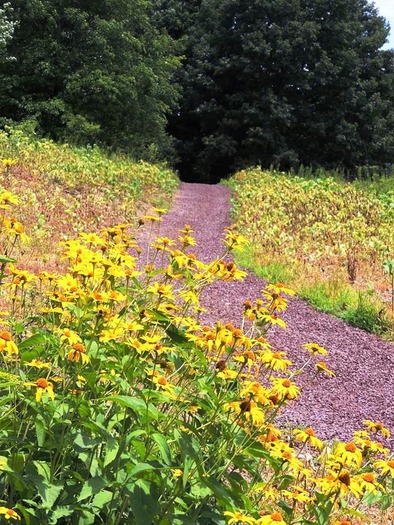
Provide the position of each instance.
(119, 406)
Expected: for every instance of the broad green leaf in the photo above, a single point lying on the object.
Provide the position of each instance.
(111, 452)
(61, 511)
(31, 342)
(144, 502)
(101, 499)
(140, 468)
(91, 486)
(164, 449)
(136, 404)
(48, 492)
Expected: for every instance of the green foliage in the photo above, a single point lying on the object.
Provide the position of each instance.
(272, 82)
(90, 73)
(320, 233)
(119, 407)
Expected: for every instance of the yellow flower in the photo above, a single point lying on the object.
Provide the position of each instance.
(69, 336)
(8, 162)
(161, 290)
(348, 454)
(275, 360)
(272, 519)
(42, 386)
(385, 466)
(78, 353)
(9, 514)
(280, 287)
(315, 349)
(377, 428)
(6, 199)
(340, 481)
(7, 344)
(368, 482)
(37, 363)
(284, 388)
(20, 277)
(239, 518)
(308, 436)
(322, 367)
(298, 494)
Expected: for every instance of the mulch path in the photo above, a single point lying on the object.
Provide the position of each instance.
(363, 387)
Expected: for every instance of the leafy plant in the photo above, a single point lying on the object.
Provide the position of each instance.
(316, 228)
(118, 406)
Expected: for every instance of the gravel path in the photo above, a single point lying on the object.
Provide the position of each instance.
(363, 387)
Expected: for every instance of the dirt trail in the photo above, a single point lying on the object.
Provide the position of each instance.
(363, 387)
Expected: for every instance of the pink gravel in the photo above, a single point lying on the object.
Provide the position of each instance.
(363, 387)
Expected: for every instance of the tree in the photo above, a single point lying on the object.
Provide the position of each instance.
(6, 29)
(278, 82)
(91, 72)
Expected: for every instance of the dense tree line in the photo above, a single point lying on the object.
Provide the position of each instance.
(285, 83)
(90, 72)
(232, 82)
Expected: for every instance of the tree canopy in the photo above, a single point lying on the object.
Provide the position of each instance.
(285, 83)
(90, 72)
(231, 83)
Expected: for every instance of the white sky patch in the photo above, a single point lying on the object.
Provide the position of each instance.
(386, 9)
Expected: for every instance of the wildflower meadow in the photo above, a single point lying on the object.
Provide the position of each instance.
(120, 407)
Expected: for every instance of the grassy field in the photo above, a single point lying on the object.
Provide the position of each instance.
(331, 240)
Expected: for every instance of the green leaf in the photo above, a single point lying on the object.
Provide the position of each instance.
(164, 449)
(87, 518)
(136, 404)
(48, 492)
(32, 341)
(91, 486)
(60, 512)
(112, 450)
(40, 432)
(141, 468)
(144, 502)
(4, 259)
(101, 499)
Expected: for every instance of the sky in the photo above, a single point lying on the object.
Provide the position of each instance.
(386, 9)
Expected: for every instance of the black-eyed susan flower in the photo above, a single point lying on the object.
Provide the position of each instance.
(342, 482)
(275, 360)
(308, 436)
(315, 349)
(9, 514)
(322, 367)
(348, 454)
(239, 518)
(284, 388)
(78, 354)
(43, 386)
(377, 428)
(7, 199)
(161, 290)
(386, 467)
(7, 345)
(37, 363)
(298, 494)
(275, 518)
(368, 482)
(68, 336)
